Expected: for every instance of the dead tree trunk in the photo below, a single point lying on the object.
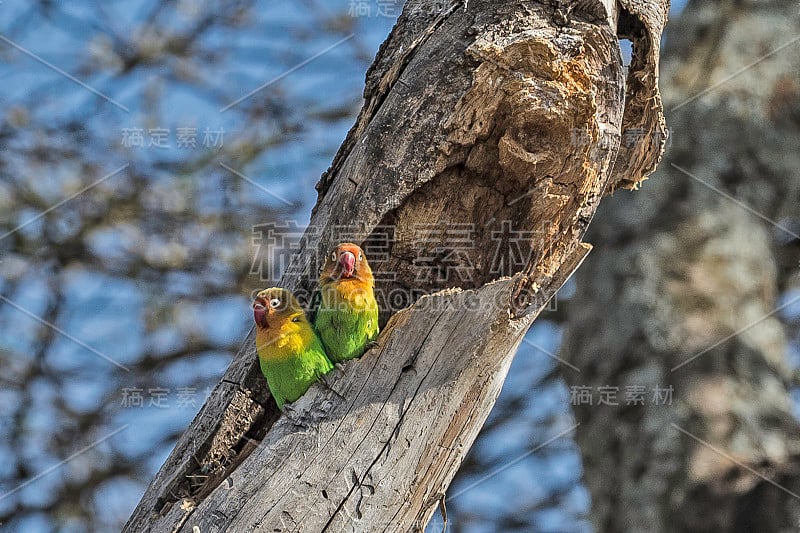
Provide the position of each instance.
(683, 293)
(484, 114)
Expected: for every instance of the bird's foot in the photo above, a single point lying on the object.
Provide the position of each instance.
(294, 416)
(370, 345)
(327, 384)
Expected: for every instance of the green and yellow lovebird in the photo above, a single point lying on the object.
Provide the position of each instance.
(291, 355)
(347, 318)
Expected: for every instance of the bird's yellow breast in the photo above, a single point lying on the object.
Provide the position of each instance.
(280, 343)
(355, 293)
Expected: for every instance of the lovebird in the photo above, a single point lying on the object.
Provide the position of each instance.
(291, 356)
(347, 318)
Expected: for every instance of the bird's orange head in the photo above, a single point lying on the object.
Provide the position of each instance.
(346, 262)
(274, 307)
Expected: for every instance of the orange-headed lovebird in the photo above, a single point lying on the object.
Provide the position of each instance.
(347, 318)
(291, 355)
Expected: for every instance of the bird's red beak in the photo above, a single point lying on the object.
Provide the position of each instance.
(348, 263)
(260, 313)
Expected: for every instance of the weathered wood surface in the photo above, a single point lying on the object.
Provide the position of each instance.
(481, 113)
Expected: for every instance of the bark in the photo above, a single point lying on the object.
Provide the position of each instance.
(683, 270)
(468, 119)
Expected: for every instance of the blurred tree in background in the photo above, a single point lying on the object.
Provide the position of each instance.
(694, 288)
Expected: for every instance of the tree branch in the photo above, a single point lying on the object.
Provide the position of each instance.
(488, 115)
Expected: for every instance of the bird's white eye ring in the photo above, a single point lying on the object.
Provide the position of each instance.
(275, 302)
(333, 255)
(360, 256)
